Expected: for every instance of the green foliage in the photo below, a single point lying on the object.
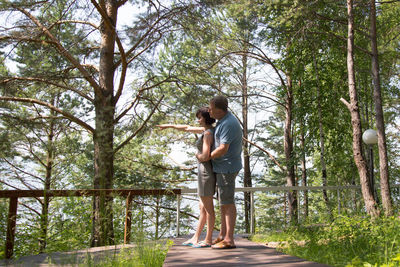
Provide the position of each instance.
(145, 254)
(69, 227)
(356, 241)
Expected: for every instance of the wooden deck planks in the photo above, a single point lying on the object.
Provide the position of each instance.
(247, 253)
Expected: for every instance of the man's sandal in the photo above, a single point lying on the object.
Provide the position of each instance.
(223, 245)
(217, 240)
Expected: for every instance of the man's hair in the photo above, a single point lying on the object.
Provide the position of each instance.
(220, 102)
(203, 111)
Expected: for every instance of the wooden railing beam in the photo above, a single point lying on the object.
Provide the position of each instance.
(88, 192)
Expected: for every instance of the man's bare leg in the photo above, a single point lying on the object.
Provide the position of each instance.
(229, 213)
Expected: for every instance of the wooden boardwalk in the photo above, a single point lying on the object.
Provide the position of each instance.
(84, 257)
(246, 253)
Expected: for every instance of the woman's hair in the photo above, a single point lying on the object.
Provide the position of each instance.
(203, 111)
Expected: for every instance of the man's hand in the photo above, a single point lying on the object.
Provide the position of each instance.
(219, 151)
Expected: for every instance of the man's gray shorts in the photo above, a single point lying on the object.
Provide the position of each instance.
(226, 188)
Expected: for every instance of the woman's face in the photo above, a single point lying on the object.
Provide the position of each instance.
(201, 121)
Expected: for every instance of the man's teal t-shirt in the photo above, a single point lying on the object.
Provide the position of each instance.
(228, 131)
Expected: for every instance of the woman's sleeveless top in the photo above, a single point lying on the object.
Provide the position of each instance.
(199, 142)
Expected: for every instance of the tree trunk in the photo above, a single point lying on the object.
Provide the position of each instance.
(157, 224)
(353, 107)
(288, 147)
(246, 166)
(102, 232)
(44, 217)
(380, 124)
(322, 141)
(304, 169)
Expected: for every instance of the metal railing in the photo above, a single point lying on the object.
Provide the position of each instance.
(252, 190)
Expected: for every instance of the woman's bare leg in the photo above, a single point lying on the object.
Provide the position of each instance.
(208, 205)
(200, 225)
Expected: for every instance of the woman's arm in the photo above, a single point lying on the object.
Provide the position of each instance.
(207, 143)
(182, 127)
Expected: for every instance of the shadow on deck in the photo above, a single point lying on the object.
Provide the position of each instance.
(246, 253)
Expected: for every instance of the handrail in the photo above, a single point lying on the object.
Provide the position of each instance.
(280, 188)
(86, 192)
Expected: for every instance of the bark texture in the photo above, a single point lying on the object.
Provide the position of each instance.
(246, 157)
(380, 124)
(102, 232)
(353, 107)
(288, 148)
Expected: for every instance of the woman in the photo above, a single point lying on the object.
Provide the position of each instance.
(206, 176)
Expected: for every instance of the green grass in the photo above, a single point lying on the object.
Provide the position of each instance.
(350, 242)
(146, 254)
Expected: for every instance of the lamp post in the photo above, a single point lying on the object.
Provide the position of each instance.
(370, 137)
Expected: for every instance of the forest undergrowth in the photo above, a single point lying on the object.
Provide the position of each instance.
(146, 254)
(348, 241)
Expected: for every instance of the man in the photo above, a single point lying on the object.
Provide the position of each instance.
(227, 162)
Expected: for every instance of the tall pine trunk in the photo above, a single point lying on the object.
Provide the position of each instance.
(353, 107)
(102, 232)
(246, 165)
(322, 141)
(44, 218)
(288, 148)
(304, 168)
(380, 124)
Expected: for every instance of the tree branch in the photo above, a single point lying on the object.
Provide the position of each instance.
(62, 50)
(344, 101)
(74, 21)
(138, 96)
(265, 151)
(65, 114)
(35, 79)
(140, 128)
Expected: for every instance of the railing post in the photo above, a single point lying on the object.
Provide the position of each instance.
(252, 216)
(128, 219)
(11, 223)
(338, 199)
(178, 213)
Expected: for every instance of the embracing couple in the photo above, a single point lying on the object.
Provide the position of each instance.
(219, 161)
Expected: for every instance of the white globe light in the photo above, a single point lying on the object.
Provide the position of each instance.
(370, 137)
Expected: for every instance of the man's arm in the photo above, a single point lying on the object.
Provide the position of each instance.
(219, 151)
